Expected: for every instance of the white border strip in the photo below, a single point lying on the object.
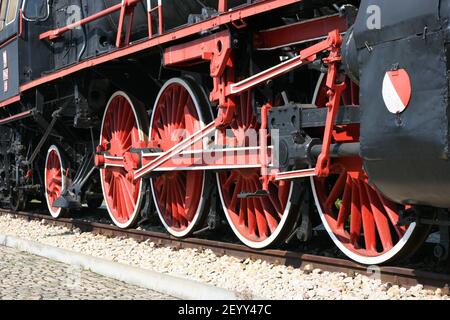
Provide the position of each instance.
(173, 286)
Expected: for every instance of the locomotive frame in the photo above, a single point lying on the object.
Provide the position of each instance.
(110, 90)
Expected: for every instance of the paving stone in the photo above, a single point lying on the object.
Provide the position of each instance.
(29, 277)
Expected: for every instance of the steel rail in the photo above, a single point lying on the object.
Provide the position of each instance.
(401, 276)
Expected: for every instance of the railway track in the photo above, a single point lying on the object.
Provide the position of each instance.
(401, 276)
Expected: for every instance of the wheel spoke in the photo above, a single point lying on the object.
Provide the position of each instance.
(230, 180)
(336, 191)
(345, 204)
(393, 215)
(237, 191)
(284, 192)
(129, 201)
(191, 182)
(252, 222)
(250, 114)
(244, 214)
(275, 202)
(368, 220)
(182, 200)
(261, 204)
(355, 216)
(381, 220)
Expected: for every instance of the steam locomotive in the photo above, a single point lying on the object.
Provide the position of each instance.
(275, 116)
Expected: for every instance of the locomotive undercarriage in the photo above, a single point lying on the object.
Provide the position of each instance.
(256, 125)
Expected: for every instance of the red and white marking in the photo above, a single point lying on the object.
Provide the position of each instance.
(397, 90)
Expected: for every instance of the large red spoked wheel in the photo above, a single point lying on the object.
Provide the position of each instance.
(259, 222)
(359, 219)
(55, 180)
(121, 131)
(181, 109)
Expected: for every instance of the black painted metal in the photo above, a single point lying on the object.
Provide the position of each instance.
(406, 155)
(298, 150)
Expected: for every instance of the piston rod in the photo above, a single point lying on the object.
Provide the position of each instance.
(339, 150)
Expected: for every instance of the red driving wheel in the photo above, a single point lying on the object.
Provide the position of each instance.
(259, 222)
(181, 109)
(359, 219)
(55, 180)
(121, 131)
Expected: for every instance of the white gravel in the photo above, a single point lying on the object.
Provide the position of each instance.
(249, 278)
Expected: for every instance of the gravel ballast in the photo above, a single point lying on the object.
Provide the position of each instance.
(244, 276)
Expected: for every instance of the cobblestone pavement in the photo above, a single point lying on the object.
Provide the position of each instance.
(28, 277)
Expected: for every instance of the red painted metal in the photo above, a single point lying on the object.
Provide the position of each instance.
(332, 44)
(20, 23)
(192, 160)
(18, 116)
(299, 32)
(222, 19)
(160, 18)
(9, 101)
(296, 174)
(126, 15)
(184, 54)
(174, 151)
(333, 93)
(122, 15)
(349, 97)
(263, 143)
(159, 9)
(283, 68)
(129, 26)
(215, 48)
(8, 41)
(223, 6)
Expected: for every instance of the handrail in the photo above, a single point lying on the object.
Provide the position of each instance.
(56, 33)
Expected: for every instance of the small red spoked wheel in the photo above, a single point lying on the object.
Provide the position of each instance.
(362, 223)
(258, 222)
(55, 180)
(121, 131)
(181, 109)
